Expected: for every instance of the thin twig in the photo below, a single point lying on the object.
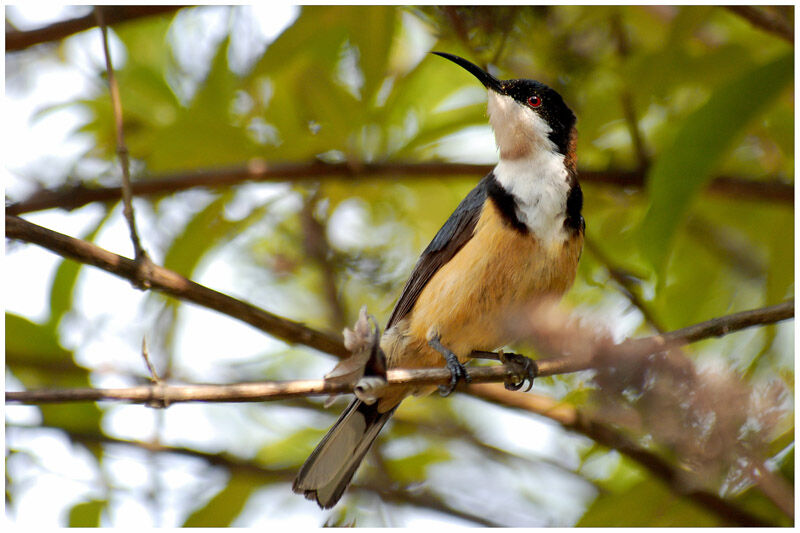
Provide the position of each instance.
(122, 150)
(73, 197)
(150, 368)
(716, 327)
(317, 247)
(158, 383)
(625, 282)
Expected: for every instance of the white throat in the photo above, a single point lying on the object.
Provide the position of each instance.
(540, 188)
(530, 168)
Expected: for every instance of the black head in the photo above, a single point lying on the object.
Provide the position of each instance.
(529, 94)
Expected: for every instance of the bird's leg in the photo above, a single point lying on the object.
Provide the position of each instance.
(524, 366)
(457, 370)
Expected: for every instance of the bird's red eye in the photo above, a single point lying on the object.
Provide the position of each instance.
(534, 101)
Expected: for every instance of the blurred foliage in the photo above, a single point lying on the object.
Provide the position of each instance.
(711, 95)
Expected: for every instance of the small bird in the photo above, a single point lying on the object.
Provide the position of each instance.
(517, 236)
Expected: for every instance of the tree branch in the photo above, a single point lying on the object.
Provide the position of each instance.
(767, 20)
(160, 394)
(19, 40)
(261, 171)
(173, 284)
(248, 392)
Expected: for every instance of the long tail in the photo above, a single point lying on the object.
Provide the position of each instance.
(328, 470)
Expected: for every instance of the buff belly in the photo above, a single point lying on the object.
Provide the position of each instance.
(468, 301)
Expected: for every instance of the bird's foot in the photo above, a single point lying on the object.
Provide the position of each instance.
(524, 366)
(457, 370)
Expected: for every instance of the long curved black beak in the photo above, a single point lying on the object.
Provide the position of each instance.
(488, 81)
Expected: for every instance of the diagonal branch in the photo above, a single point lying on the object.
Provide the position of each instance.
(767, 19)
(19, 40)
(173, 284)
(774, 189)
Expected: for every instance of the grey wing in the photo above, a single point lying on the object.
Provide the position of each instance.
(454, 234)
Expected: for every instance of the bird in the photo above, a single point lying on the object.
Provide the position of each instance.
(517, 236)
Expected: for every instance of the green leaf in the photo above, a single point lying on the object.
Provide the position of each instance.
(223, 508)
(682, 169)
(315, 37)
(66, 277)
(201, 233)
(755, 502)
(413, 468)
(372, 30)
(290, 451)
(204, 134)
(37, 359)
(33, 341)
(86, 514)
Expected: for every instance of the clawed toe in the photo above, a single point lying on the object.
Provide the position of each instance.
(525, 366)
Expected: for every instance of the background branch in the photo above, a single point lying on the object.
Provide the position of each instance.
(626, 97)
(19, 40)
(318, 249)
(79, 195)
(172, 283)
(768, 19)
